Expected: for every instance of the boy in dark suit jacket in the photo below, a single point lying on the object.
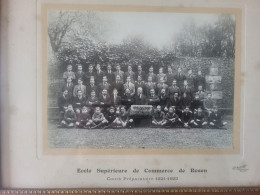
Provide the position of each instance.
(186, 118)
(215, 119)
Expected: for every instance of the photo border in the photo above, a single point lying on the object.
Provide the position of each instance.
(140, 8)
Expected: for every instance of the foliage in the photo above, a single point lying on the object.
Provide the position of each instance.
(209, 40)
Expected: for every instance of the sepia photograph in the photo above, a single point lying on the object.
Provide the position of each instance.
(140, 80)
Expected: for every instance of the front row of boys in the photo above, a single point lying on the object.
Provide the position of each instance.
(120, 118)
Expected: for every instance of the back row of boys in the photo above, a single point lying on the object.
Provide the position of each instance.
(99, 80)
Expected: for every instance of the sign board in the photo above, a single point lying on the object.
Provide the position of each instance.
(141, 110)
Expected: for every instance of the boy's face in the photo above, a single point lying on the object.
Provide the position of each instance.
(70, 107)
(169, 69)
(92, 81)
(170, 110)
(104, 92)
(199, 110)
(215, 110)
(98, 110)
(151, 69)
(159, 108)
(152, 92)
(122, 109)
(98, 67)
(139, 68)
(127, 91)
(129, 68)
(128, 79)
(139, 78)
(163, 91)
(93, 94)
(80, 82)
(199, 72)
(109, 67)
(104, 79)
(160, 70)
(65, 93)
(209, 96)
(200, 88)
(69, 68)
(186, 110)
(118, 68)
(174, 83)
(117, 78)
(112, 110)
(185, 82)
(79, 68)
(161, 80)
(79, 93)
(84, 110)
(139, 90)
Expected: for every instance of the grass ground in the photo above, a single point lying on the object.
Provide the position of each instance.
(142, 137)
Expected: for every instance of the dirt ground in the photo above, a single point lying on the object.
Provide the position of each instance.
(144, 137)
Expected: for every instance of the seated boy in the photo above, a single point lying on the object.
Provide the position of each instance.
(84, 118)
(98, 119)
(172, 119)
(215, 119)
(199, 120)
(69, 117)
(158, 118)
(111, 118)
(186, 117)
(125, 119)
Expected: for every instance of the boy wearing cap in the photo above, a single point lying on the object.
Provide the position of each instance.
(69, 117)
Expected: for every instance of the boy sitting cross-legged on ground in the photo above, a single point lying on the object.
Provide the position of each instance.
(125, 119)
(186, 117)
(172, 119)
(111, 118)
(158, 119)
(215, 119)
(199, 120)
(69, 117)
(98, 119)
(84, 119)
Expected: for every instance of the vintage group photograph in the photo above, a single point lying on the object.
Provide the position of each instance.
(140, 80)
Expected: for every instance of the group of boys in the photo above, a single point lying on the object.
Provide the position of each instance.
(98, 99)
